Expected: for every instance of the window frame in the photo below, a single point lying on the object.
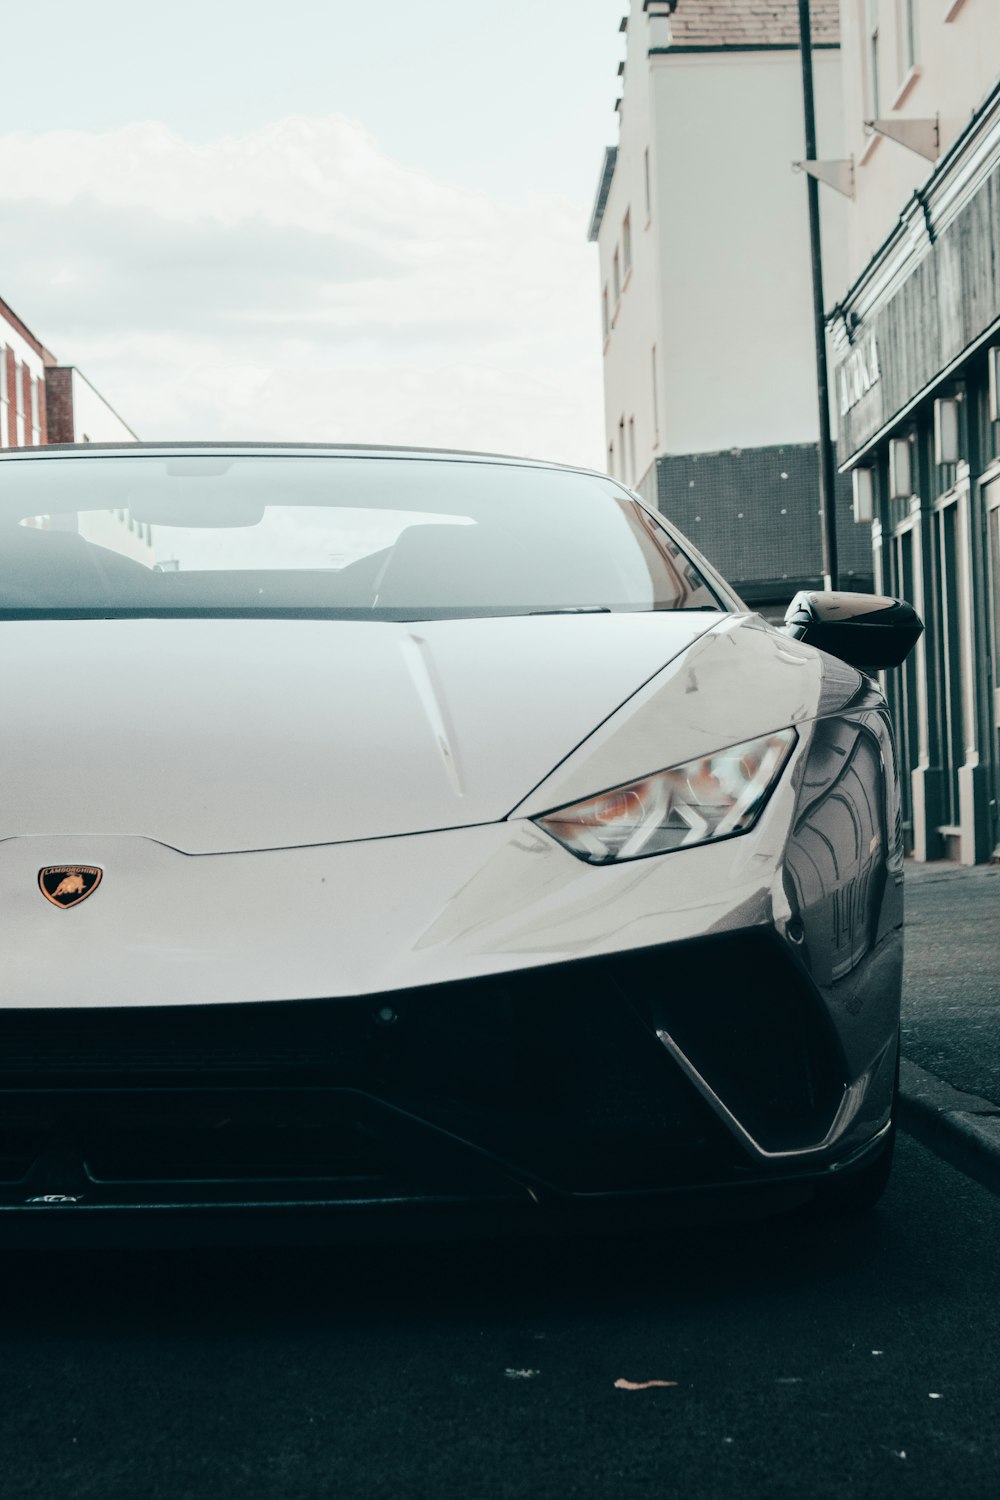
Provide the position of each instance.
(872, 36)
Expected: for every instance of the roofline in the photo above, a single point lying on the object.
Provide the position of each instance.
(10, 316)
(690, 49)
(603, 189)
(359, 450)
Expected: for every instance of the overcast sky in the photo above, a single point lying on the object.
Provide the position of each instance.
(349, 220)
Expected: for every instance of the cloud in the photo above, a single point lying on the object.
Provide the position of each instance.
(296, 282)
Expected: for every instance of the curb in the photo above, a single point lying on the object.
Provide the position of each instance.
(962, 1129)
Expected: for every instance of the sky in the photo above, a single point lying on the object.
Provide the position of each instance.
(328, 221)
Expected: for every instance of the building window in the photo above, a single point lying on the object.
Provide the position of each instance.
(622, 456)
(627, 242)
(616, 277)
(611, 459)
(605, 314)
(871, 58)
(908, 34)
(4, 399)
(645, 178)
(631, 451)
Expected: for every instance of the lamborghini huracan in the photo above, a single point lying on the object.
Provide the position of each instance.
(412, 839)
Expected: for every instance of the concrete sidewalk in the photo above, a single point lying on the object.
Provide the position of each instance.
(950, 1073)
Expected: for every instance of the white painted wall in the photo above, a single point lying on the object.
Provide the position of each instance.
(94, 421)
(958, 63)
(635, 316)
(720, 279)
(739, 354)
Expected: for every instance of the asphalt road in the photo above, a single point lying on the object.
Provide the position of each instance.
(808, 1362)
(952, 984)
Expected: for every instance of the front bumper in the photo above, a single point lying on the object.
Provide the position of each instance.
(527, 1098)
(469, 1018)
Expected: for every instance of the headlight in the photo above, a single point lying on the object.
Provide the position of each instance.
(713, 797)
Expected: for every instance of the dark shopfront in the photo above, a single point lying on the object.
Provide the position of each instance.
(918, 380)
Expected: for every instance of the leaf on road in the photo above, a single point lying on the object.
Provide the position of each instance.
(640, 1385)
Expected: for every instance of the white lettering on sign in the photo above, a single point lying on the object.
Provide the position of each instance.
(859, 372)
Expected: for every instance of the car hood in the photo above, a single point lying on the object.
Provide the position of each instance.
(217, 736)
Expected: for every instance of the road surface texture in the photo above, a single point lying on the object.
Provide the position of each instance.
(809, 1362)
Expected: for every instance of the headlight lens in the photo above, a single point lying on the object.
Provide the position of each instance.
(713, 797)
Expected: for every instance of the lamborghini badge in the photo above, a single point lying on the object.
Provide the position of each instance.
(68, 885)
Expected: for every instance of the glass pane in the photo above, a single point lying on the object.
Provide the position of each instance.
(390, 538)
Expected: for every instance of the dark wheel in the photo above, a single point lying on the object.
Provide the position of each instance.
(858, 1192)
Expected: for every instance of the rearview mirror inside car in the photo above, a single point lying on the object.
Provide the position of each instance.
(870, 631)
(199, 503)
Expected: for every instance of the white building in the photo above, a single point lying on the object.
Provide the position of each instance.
(703, 236)
(905, 60)
(916, 336)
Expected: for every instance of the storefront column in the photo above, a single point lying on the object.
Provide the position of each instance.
(926, 777)
(973, 780)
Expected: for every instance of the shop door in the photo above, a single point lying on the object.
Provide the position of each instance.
(991, 499)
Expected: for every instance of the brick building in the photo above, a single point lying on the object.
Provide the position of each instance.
(23, 420)
(42, 401)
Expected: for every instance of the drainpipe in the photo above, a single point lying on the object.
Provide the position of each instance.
(827, 473)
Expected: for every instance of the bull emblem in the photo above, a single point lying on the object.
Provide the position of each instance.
(68, 885)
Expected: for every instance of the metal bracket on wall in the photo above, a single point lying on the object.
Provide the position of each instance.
(837, 173)
(922, 136)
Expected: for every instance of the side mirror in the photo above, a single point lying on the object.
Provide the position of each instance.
(868, 631)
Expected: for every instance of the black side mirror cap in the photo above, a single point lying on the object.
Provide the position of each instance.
(869, 631)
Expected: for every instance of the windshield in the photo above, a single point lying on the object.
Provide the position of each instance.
(376, 538)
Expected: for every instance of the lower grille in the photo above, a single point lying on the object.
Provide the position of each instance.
(212, 1040)
(553, 1075)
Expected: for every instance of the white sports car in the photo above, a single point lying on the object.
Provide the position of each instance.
(399, 836)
